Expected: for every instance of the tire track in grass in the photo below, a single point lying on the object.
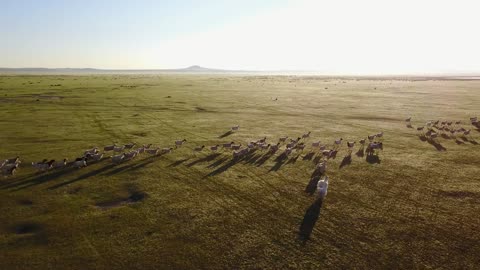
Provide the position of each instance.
(241, 199)
(418, 186)
(401, 220)
(101, 126)
(246, 201)
(174, 128)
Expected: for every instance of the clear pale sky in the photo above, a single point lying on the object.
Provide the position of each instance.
(335, 36)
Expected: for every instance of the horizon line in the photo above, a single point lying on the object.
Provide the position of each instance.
(204, 70)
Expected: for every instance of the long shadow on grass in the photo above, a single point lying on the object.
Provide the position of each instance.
(312, 184)
(217, 163)
(133, 166)
(252, 159)
(231, 163)
(422, 138)
(224, 167)
(42, 177)
(264, 159)
(178, 162)
(84, 176)
(309, 156)
(119, 169)
(347, 160)
(226, 134)
(472, 141)
(445, 136)
(37, 179)
(208, 158)
(309, 220)
(279, 161)
(437, 145)
(317, 159)
(293, 160)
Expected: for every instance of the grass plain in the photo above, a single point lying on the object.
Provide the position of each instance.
(415, 209)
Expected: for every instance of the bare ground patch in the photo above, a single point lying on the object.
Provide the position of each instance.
(26, 228)
(372, 118)
(459, 194)
(134, 197)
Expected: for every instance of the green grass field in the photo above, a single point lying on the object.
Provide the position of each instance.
(418, 208)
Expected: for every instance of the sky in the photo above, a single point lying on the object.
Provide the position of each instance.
(327, 36)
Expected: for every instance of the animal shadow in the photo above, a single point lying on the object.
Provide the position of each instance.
(293, 160)
(178, 162)
(263, 159)
(223, 168)
(445, 136)
(309, 156)
(333, 155)
(252, 159)
(217, 163)
(373, 159)
(312, 185)
(317, 159)
(437, 145)
(347, 160)
(309, 220)
(226, 134)
(360, 152)
(84, 176)
(204, 159)
(37, 179)
(279, 161)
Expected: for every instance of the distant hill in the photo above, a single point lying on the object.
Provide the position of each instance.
(191, 69)
(198, 69)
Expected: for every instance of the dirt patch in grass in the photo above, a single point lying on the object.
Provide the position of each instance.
(373, 118)
(459, 194)
(27, 228)
(140, 134)
(74, 191)
(7, 100)
(134, 197)
(25, 202)
(36, 96)
(44, 96)
(51, 97)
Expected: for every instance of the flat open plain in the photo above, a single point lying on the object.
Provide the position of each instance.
(416, 207)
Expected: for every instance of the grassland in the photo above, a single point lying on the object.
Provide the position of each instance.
(416, 209)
